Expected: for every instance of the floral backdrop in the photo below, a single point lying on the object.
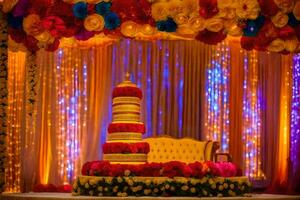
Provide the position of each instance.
(266, 25)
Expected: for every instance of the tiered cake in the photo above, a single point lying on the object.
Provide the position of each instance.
(125, 132)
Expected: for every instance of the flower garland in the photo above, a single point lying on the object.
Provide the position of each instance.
(3, 95)
(165, 187)
(266, 25)
(120, 147)
(169, 169)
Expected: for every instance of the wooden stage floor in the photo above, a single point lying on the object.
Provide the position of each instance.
(67, 196)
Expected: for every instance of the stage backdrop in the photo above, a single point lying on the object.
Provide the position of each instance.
(59, 105)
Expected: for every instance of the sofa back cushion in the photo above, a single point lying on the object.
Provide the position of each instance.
(166, 148)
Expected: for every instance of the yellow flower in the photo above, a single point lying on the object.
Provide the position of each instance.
(32, 25)
(159, 11)
(221, 188)
(91, 193)
(247, 9)
(231, 186)
(86, 185)
(190, 6)
(75, 186)
(204, 192)
(184, 188)
(296, 10)
(94, 22)
(93, 182)
(100, 194)
(147, 191)
(197, 24)
(225, 4)
(291, 45)
(227, 13)
(213, 186)
(100, 188)
(130, 182)
(219, 195)
(167, 186)
(181, 19)
(115, 189)
(148, 182)
(193, 190)
(231, 193)
(129, 28)
(119, 179)
(172, 188)
(280, 19)
(106, 189)
(231, 28)
(8, 5)
(82, 180)
(214, 24)
(285, 5)
(155, 190)
(127, 172)
(175, 7)
(211, 181)
(225, 185)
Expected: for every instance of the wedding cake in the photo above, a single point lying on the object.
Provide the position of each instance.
(125, 132)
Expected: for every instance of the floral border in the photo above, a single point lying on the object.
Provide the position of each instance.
(3, 96)
(155, 186)
(265, 25)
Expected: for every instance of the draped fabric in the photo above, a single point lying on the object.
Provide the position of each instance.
(73, 102)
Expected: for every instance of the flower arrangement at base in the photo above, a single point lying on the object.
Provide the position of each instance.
(161, 186)
(121, 147)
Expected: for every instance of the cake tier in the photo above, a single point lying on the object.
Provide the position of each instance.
(126, 108)
(136, 127)
(126, 100)
(126, 117)
(127, 91)
(125, 157)
(126, 148)
(121, 136)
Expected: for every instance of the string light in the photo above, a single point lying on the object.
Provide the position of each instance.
(295, 116)
(16, 74)
(216, 97)
(251, 117)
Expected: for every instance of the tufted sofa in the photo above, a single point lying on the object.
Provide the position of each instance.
(165, 148)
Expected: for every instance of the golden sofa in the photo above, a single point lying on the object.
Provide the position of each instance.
(165, 148)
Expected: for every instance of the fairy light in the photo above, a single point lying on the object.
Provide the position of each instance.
(295, 116)
(217, 104)
(16, 71)
(251, 117)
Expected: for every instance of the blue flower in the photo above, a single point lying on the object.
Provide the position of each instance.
(253, 26)
(292, 20)
(112, 21)
(80, 10)
(14, 22)
(166, 25)
(103, 8)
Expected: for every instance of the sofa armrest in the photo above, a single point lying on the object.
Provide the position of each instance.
(227, 155)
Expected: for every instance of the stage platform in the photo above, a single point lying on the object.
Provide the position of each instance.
(67, 196)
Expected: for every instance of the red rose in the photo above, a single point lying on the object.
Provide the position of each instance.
(31, 43)
(116, 170)
(18, 35)
(40, 8)
(286, 32)
(265, 35)
(54, 46)
(86, 168)
(138, 11)
(227, 169)
(64, 188)
(100, 168)
(196, 169)
(175, 168)
(151, 169)
(208, 8)
(126, 127)
(211, 168)
(268, 7)
(54, 25)
(247, 42)
(209, 37)
(61, 9)
(297, 31)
